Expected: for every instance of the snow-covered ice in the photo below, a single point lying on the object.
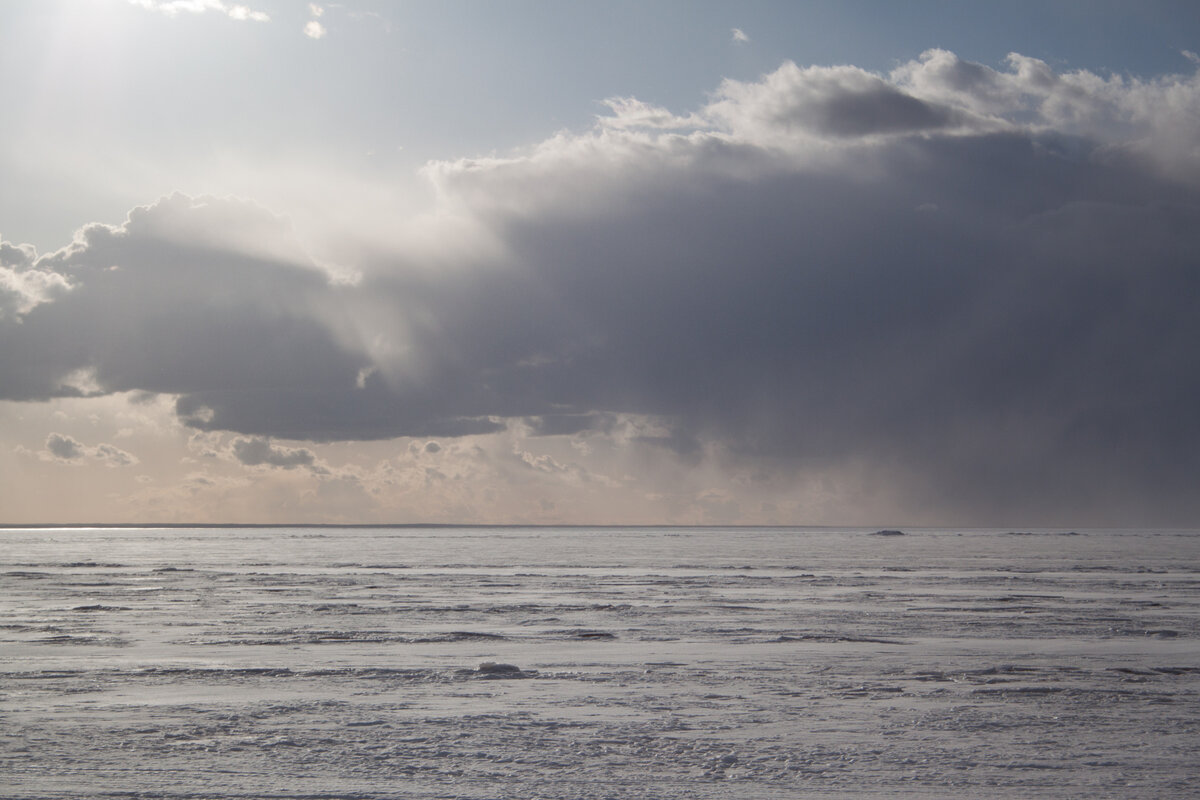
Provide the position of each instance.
(598, 663)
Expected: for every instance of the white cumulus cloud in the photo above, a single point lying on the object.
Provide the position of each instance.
(174, 7)
(23, 288)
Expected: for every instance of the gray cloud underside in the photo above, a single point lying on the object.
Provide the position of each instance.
(66, 448)
(257, 451)
(992, 297)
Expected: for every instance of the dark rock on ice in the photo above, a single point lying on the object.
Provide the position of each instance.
(888, 532)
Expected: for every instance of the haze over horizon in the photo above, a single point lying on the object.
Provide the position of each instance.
(808, 263)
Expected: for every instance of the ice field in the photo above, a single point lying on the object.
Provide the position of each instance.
(598, 663)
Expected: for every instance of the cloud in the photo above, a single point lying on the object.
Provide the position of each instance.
(629, 112)
(63, 448)
(114, 456)
(258, 451)
(22, 288)
(173, 7)
(739, 36)
(973, 286)
(314, 29)
(793, 103)
(1154, 119)
(16, 256)
(213, 301)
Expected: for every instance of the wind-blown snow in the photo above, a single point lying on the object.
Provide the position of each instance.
(579, 663)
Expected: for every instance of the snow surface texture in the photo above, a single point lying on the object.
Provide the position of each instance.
(577, 663)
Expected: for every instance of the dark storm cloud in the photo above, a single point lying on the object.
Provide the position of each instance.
(565, 424)
(169, 303)
(993, 317)
(213, 301)
(981, 283)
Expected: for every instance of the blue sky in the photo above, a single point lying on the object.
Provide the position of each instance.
(622, 262)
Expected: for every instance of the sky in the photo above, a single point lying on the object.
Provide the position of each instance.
(799, 263)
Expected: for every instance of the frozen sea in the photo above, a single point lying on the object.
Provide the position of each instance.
(598, 663)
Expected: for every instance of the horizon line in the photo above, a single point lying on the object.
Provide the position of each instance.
(6, 526)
